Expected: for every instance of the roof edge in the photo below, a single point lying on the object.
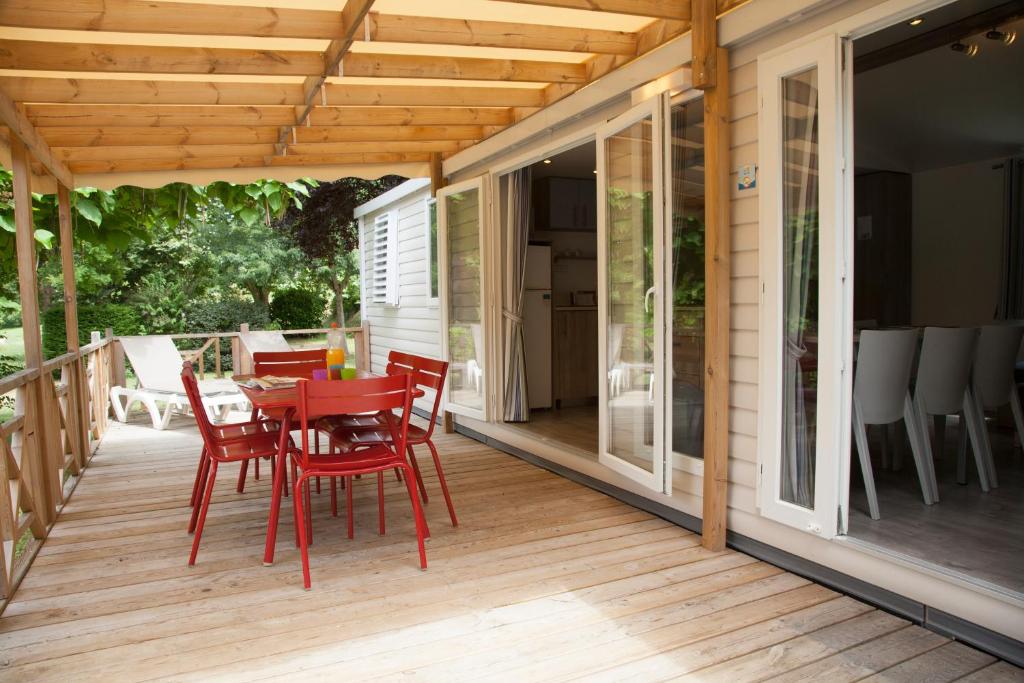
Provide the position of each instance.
(394, 194)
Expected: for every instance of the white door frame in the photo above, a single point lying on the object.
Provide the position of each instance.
(660, 478)
(822, 53)
(480, 186)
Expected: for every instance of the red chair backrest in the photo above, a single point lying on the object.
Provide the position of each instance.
(429, 373)
(341, 397)
(289, 363)
(188, 378)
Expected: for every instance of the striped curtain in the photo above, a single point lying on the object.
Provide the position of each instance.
(517, 407)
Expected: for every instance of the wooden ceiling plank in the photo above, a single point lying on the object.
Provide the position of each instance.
(34, 55)
(395, 28)
(248, 161)
(161, 152)
(144, 16)
(147, 136)
(661, 9)
(474, 68)
(116, 91)
(309, 148)
(409, 116)
(37, 147)
(95, 115)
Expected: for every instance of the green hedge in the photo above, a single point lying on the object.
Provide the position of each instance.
(226, 315)
(123, 319)
(297, 309)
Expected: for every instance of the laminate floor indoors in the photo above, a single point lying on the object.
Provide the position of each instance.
(543, 580)
(976, 534)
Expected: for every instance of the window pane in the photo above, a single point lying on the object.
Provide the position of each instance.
(687, 262)
(800, 286)
(630, 332)
(465, 336)
(432, 247)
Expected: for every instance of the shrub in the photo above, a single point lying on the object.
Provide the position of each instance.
(123, 319)
(297, 309)
(226, 315)
(8, 366)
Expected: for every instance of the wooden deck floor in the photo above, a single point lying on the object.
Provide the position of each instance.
(543, 580)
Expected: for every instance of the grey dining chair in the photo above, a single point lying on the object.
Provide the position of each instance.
(881, 396)
(944, 388)
(993, 387)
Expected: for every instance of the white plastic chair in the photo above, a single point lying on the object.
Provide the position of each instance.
(157, 364)
(881, 396)
(993, 386)
(476, 373)
(944, 388)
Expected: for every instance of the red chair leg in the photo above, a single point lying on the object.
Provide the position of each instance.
(301, 527)
(279, 488)
(241, 476)
(309, 514)
(421, 522)
(416, 471)
(197, 485)
(202, 490)
(334, 496)
(348, 507)
(444, 484)
(256, 468)
(202, 513)
(380, 501)
(318, 484)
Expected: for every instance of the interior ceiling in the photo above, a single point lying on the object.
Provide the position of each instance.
(940, 108)
(147, 92)
(578, 162)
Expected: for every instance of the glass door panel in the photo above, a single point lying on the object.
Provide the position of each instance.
(630, 272)
(461, 248)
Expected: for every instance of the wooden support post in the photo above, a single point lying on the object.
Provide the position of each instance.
(244, 357)
(436, 183)
(236, 356)
(118, 373)
(216, 358)
(36, 459)
(716, 306)
(704, 66)
(77, 398)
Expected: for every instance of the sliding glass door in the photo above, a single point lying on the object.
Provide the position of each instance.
(463, 313)
(631, 310)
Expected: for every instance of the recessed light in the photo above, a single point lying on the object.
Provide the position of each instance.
(1002, 36)
(595, 171)
(916, 21)
(969, 49)
(547, 161)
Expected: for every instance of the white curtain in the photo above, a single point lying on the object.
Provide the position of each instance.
(517, 407)
(800, 321)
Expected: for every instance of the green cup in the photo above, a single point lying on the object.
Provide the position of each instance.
(348, 373)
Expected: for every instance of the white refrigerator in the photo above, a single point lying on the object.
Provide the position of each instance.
(537, 320)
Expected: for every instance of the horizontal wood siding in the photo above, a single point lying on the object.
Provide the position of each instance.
(414, 325)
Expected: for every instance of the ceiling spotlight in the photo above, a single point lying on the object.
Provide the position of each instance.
(968, 49)
(595, 171)
(916, 21)
(547, 161)
(1006, 37)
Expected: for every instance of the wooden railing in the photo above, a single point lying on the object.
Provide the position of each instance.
(61, 411)
(60, 415)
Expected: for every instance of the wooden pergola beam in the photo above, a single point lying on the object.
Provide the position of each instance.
(392, 28)
(474, 68)
(22, 129)
(45, 90)
(59, 116)
(661, 9)
(73, 155)
(256, 161)
(704, 43)
(34, 55)
(142, 16)
(113, 136)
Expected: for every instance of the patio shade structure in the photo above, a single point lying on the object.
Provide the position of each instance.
(104, 93)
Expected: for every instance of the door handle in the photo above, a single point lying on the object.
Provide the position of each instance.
(647, 302)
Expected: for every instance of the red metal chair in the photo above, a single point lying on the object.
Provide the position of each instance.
(351, 432)
(379, 394)
(229, 443)
(289, 363)
(283, 364)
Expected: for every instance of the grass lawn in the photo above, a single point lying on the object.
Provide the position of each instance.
(12, 343)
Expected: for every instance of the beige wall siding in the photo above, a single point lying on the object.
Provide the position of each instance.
(414, 325)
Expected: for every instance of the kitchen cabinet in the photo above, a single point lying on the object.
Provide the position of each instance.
(565, 204)
(575, 366)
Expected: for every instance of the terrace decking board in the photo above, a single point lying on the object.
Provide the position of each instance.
(543, 580)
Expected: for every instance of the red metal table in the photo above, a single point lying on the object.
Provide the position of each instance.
(280, 404)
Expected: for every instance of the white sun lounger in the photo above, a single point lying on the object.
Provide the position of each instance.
(157, 364)
(263, 341)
